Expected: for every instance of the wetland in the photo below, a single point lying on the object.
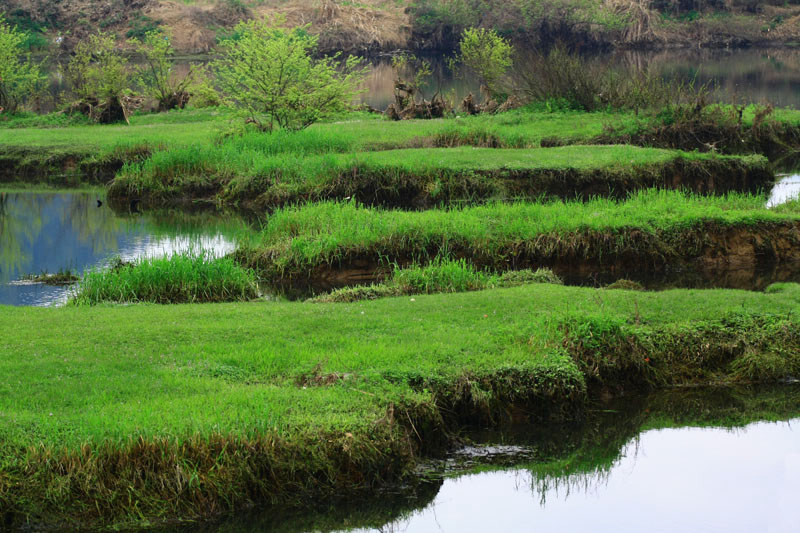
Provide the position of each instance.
(545, 315)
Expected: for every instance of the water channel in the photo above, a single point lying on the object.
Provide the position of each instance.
(48, 232)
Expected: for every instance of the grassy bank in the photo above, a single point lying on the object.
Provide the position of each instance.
(648, 231)
(416, 178)
(439, 275)
(244, 404)
(195, 136)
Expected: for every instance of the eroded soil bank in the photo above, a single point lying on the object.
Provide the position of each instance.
(63, 167)
(708, 251)
(385, 179)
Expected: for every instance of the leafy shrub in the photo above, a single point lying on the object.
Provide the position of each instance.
(271, 72)
(158, 76)
(488, 55)
(20, 76)
(100, 77)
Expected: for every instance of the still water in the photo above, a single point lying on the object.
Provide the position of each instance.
(681, 461)
(668, 480)
(47, 232)
(787, 188)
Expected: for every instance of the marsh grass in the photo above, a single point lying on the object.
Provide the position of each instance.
(190, 277)
(441, 275)
(653, 225)
(423, 177)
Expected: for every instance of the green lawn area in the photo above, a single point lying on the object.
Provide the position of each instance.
(114, 372)
(361, 132)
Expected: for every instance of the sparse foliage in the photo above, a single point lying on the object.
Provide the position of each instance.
(158, 76)
(411, 73)
(409, 98)
(488, 55)
(270, 72)
(19, 74)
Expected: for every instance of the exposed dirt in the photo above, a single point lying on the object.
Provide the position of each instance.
(373, 26)
(742, 257)
(369, 26)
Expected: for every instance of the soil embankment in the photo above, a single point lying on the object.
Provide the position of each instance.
(60, 167)
(711, 254)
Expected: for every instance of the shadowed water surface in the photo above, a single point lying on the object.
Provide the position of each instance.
(52, 231)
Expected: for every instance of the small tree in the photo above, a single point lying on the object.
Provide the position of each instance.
(488, 55)
(19, 75)
(158, 76)
(270, 72)
(100, 78)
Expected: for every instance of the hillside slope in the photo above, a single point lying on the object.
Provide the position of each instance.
(372, 26)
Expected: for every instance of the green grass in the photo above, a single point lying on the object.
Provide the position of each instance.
(243, 352)
(355, 132)
(190, 407)
(179, 278)
(437, 276)
(420, 177)
(655, 224)
(195, 140)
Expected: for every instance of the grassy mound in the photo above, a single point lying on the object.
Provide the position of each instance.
(649, 230)
(243, 404)
(427, 177)
(440, 275)
(179, 278)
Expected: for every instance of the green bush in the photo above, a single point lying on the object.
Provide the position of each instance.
(20, 76)
(271, 72)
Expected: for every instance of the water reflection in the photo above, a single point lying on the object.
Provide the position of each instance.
(48, 232)
(787, 188)
(684, 460)
(669, 480)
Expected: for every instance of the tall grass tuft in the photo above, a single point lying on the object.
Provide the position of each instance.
(189, 277)
(441, 275)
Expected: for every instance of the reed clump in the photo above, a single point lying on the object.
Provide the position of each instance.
(442, 275)
(191, 277)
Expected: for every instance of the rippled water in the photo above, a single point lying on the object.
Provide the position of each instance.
(48, 232)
